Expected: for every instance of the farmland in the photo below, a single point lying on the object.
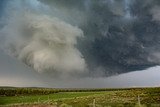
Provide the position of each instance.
(128, 97)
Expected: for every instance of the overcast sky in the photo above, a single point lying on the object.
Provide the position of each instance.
(15, 73)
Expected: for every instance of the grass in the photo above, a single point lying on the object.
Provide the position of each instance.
(148, 97)
(42, 98)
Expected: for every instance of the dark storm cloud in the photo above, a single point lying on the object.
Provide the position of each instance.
(98, 37)
(120, 35)
(2, 5)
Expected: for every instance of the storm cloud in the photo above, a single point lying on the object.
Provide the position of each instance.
(86, 37)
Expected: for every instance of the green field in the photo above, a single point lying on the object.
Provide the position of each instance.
(131, 97)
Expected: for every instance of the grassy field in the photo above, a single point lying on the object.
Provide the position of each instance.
(133, 97)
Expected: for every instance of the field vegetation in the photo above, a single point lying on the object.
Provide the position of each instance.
(47, 97)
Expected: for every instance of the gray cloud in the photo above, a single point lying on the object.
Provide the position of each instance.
(42, 42)
(112, 37)
(155, 11)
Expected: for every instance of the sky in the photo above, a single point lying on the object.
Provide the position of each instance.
(80, 44)
(15, 73)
